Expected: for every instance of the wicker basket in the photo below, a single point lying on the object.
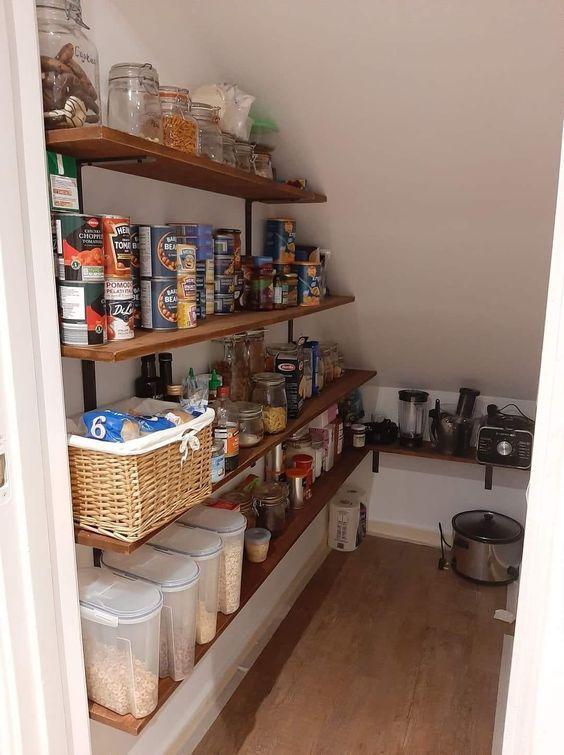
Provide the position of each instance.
(127, 497)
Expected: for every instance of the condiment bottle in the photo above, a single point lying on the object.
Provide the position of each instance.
(226, 428)
(213, 386)
(165, 371)
(148, 385)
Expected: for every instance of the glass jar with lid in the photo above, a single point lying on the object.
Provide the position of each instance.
(244, 155)
(263, 165)
(269, 390)
(69, 66)
(299, 444)
(331, 349)
(191, 124)
(326, 355)
(261, 291)
(133, 100)
(210, 141)
(274, 349)
(178, 133)
(234, 366)
(255, 342)
(229, 157)
(271, 503)
(251, 425)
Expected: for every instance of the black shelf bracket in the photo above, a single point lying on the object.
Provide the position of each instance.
(248, 227)
(375, 461)
(488, 481)
(89, 398)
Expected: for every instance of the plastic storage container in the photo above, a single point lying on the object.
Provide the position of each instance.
(257, 541)
(205, 548)
(177, 577)
(231, 527)
(120, 637)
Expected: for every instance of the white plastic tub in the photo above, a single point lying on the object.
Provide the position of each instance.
(177, 577)
(120, 635)
(231, 527)
(205, 548)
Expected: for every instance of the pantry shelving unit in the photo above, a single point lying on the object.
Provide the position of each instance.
(254, 575)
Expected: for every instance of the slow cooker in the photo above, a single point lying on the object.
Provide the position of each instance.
(487, 547)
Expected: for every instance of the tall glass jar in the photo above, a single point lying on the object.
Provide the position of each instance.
(327, 357)
(70, 76)
(270, 391)
(190, 123)
(229, 150)
(179, 133)
(234, 366)
(255, 342)
(271, 503)
(210, 142)
(133, 100)
(244, 155)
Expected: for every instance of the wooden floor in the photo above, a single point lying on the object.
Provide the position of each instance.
(382, 653)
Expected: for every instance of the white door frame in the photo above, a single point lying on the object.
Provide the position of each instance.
(533, 722)
(41, 666)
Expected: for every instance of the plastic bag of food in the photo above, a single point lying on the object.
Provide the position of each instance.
(234, 105)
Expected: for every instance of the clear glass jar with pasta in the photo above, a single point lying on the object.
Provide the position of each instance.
(270, 391)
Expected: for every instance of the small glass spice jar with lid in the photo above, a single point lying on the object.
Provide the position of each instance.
(217, 462)
(210, 142)
(251, 425)
(269, 390)
(244, 155)
(263, 165)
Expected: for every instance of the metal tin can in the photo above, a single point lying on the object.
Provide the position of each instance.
(210, 293)
(80, 242)
(308, 254)
(224, 284)
(159, 303)
(235, 235)
(274, 463)
(224, 265)
(186, 314)
(186, 258)
(186, 286)
(82, 312)
(309, 282)
(239, 287)
(157, 251)
(135, 262)
(201, 303)
(136, 302)
(224, 304)
(210, 271)
(117, 246)
(280, 242)
(120, 314)
(223, 245)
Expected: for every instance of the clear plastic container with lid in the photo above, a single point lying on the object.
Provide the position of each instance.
(251, 424)
(177, 577)
(269, 390)
(205, 548)
(230, 525)
(69, 66)
(133, 100)
(120, 636)
(210, 142)
(180, 129)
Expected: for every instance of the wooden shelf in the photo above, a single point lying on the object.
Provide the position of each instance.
(114, 150)
(217, 326)
(425, 452)
(253, 577)
(248, 456)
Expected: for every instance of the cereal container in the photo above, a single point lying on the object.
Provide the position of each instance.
(309, 284)
(177, 577)
(280, 243)
(120, 636)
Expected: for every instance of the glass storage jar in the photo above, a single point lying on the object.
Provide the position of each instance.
(331, 348)
(327, 357)
(263, 165)
(274, 349)
(69, 66)
(133, 100)
(251, 425)
(270, 503)
(190, 123)
(261, 291)
(229, 157)
(177, 132)
(210, 142)
(234, 366)
(244, 156)
(255, 342)
(269, 391)
(299, 445)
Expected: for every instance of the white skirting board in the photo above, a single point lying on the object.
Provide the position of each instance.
(404, 532)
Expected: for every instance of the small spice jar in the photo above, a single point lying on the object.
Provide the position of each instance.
(217, 462)
(244, 156)
(280, 292)
(251, 425)
(257, 540)
(269, 390)
(229, 157)
(270, 503)
(358, 436)
(210, 142)
(261, 291)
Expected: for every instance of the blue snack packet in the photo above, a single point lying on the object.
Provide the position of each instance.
(150, 424)
(113, 427)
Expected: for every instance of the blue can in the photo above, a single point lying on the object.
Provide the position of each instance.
(280, 240)
(309, 284)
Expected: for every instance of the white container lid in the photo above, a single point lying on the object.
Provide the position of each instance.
(191, 541)
(170, 571)
(107, 598)
(217, 520)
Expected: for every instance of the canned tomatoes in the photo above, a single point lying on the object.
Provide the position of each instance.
(117, 246)
(157, 251)
(159, 303)
(120, 310)
(82, 312)
(80, 243)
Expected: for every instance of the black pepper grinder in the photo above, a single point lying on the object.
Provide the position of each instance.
(148, 385)
(165, 371)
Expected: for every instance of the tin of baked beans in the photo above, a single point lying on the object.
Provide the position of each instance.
(187, 314)
(117, 246)
(186, 258)
(224, 265)
(210, 308)
(135, 262)
(210, 271)
(201, 303)
(120, 308)
(223, 245)
(235, 234)
(136, 302)
(186, 286)
(280, 242)
(238, 292)
(159, 303)
(80, 242)
(82, 312)
(224, 284)
(223, 304)
(157, 251)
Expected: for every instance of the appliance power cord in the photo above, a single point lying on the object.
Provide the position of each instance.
(443, 561)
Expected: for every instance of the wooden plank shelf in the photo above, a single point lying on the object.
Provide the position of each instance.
(115, 150)
(248, 456)
(217, 326)
(426, 451)
(254, 576)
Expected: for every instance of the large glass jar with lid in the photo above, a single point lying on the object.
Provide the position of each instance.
(229, 149)
(190, 123)
(269, 389)
(327, 356)
(255, 342)
(271, 503)
(70, 76)
(180, 130)
(251, 425)
(210, 142)
(244, 154)
(133, 100)
(274, 349)
(233, 366)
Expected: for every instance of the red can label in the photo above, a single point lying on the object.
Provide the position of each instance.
(117, 246)
(79, 242)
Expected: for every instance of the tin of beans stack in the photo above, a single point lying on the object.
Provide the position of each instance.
(159, 303)
(186, 285)
(234, 245)
(135, 275)
(201, 289)
(198, 234)
(280, 241)
(157, 251)
(82, 312)
(80, 247)
(158, 263)
(119, 308)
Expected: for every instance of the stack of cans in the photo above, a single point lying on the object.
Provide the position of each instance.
(233, 238)
(118, 284)
(135, 275)
(158, 262)
(224, 275)
(186, 285)
(200, 236)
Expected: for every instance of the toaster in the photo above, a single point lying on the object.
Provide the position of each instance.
(505, 440)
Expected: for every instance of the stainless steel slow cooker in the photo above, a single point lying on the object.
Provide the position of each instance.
(487, 547)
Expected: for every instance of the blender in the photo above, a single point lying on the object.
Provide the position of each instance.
(412, 416)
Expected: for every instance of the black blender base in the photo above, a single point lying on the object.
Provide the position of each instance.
(411, 442)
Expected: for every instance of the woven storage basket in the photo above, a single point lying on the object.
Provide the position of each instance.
(127, 497)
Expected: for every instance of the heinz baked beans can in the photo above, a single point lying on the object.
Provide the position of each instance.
(186, 314)
(136, 302)
(157, 251)
(159, 303)
(79, 239)
(82, 312)
(135, 269)
(120, 309)
(210, 294)
(117, 246)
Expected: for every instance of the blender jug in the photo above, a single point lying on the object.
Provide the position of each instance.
(412, 416)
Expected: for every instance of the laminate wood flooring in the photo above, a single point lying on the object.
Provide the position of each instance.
(381, 653)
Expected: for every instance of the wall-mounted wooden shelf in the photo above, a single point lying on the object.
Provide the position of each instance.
(154, 341)
(253, 577)
(332, 394)
(114, 150)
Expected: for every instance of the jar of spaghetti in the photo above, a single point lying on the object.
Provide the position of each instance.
(269, 390)
(177, 132)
